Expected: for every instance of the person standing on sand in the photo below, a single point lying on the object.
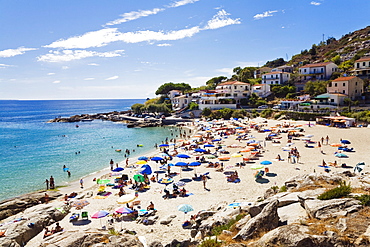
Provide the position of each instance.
(126, 162)
(47, 184)
(204, 179)
(327, 140)
(111, 164)
(82, 183)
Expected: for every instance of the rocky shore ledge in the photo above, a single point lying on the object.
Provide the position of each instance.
(295, 217)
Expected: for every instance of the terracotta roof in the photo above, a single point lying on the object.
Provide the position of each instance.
(233, 83)
(276, 72)
(363, 59)
(258, 85)
(315, 65)
(347, 78)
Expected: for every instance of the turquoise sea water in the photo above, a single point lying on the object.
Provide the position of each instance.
(33, 150)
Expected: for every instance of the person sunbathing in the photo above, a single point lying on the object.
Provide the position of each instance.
(183, 192)
(150, 207)
(57, 228)
(47, 233)
(333, 164)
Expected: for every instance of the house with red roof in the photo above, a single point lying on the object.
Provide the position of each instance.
(351, 86)
(315, 71)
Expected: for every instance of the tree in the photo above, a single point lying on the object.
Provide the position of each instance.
(138, 108)
(275, 63)
(348, 102)
(346, 65)
(336, 59)
(314, 88)
(244, 74)
(206, 112)
(193, 106)
(281, 91)
(212, 83)
(165, 88)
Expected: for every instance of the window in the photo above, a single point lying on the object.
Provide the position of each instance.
(272, 76)
(314, 70)
(364, 64)
(322, 70)
(234, 87)
(356, 91)
(356, 83)
(329, 85)
(335, 84)
(235, 95)
(344, 91)
(344, 84)
(358, 65)
(305, 70)
(331, 100)
(277, 82)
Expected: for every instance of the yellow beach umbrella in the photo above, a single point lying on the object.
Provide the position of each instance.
(141, 162)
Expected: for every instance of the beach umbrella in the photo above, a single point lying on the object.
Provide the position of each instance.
(211, 157)
(156, 158)
(100, 214)
(181, 164)
(265, 162)
(200, 150)
(236, 155)
(79, 204)
(118, 169)
(180, 183)
(359, 167)
(336, 144)
(139, 178)
(164, 145)
(124, 210)
(184, 156)
(341, 155)
(186, 208)
(209, 146)
(141, 162)
(195, 163)
(103, 181)
(165, 180)
(143, 158)
(345, 142)
(216, 140)
(225, 158)
(256, 167)
(309, 136)
(146, 169)
(126, 198)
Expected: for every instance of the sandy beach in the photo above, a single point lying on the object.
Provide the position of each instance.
(218, 189)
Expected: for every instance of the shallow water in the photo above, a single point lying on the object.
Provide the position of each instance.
(33, 150)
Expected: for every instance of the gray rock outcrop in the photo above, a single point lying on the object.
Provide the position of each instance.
(267, 220)
(322, 209)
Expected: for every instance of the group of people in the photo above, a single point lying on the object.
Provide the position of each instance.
(50, 183)
(57, 228)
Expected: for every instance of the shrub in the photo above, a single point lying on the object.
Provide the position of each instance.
(341, 191)
(364, 199)
(283, 188)
(210, 243)
(218, 229)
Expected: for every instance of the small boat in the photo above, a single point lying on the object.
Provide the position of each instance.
(87, 120)
(118, 150)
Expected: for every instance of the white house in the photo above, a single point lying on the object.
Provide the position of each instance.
(226, 95)
(275, 78)
(174, 93)
(317, 71)
(262, 90)
(362, 67)
(283, 68)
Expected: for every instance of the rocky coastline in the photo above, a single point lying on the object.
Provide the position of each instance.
(295, 217)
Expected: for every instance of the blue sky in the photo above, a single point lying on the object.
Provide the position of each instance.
(110, 49)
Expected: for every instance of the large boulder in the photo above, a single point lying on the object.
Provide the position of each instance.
(90, 238)
(313, 180)
(292, 236)
(167, 220)
(292, 213)
(220, 218)
(322, 209)
(18, 204)
(33, 222)
(267, 220)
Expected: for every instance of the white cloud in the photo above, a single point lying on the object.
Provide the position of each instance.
(226, 71)
(164, 44)
(56, 82)
(69, 55)
(315, 3)
(3, 66)
(51, 73)
(89, 79)
(15, 52)
(112, 78)
(264, 15)
(221, 20)
(94, 64)
(181, 3)
(133, 15)
(65, 67)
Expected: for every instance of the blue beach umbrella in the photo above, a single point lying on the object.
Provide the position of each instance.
(185, 208)
(118, 169)
(163, 145)
(156, 158)
(181, 164)
(341, 155)
(146, 169)
(216, 140)
(185, 156)
(195, 163)
(209, 146)
(200, 150)
(265, 162)
(345, 142)
(142, 158)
